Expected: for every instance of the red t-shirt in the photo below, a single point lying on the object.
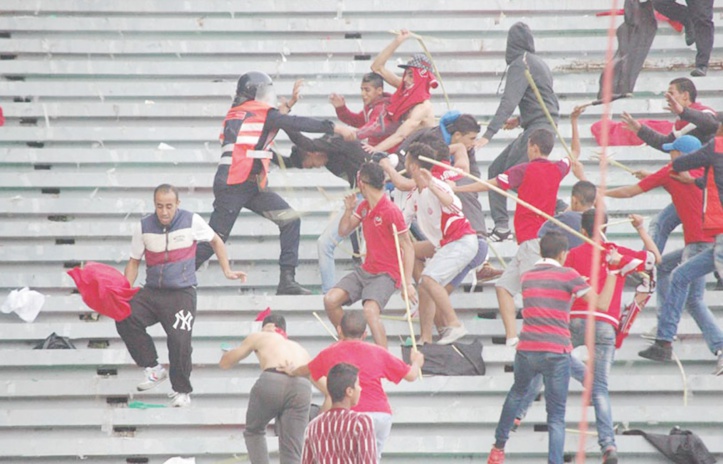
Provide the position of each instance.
(547, 291)
(379, 235)
(580, 259)
(537, 183)
(374, 363)
(687, 199)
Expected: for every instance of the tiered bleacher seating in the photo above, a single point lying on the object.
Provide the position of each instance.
(91, 89)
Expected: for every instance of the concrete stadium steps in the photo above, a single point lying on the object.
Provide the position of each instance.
(101, 85)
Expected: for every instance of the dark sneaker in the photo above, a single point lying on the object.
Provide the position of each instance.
(699, 71)
(499, 234)
(719, 365)
(658, 352)
(610, 456)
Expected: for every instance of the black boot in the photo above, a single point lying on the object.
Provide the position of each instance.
(288, 285)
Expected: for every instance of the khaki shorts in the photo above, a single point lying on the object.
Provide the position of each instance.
(527, 255)
(361, 285)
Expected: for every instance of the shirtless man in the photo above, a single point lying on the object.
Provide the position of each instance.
(409, 107)
(274, 394)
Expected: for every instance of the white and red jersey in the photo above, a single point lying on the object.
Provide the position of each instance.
(440, 224)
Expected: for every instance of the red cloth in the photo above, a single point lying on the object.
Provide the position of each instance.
(374, 363)
(404, 99)
(379, 235)
(687, 199)
(674, 24)
(2, 118)
(619, 135)
(263, 314)
(580, 259)
(372, 121)
(627, 318)
(527, 178)
(104, 289)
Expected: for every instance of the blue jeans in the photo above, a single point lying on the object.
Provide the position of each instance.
(326, 244)
(662, 225)
(667, 265)
(555, 370)
(604, 357)
(687, 284)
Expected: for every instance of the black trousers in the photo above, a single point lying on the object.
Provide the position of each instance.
(699, 15)
(228, 202)
(175, 309)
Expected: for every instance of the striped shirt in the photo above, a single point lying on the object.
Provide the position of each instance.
(547, 293)
(340, 436)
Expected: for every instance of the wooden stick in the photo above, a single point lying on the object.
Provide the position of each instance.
(615, 223)
(614, 163)
(326, 327)
(534, 209)
(497, 255)
(397, 318)
(405, 294)
(535, 89)
(586, 432)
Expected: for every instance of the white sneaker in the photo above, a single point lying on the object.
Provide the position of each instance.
(452, 334)
(154, 376)
(180, 400)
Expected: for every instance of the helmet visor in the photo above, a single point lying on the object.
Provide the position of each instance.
(265, 93)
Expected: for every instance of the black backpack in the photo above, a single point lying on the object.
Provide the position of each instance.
(55, 342)
(453, 359)
(681, 446)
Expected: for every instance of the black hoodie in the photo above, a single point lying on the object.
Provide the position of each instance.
(521, 50)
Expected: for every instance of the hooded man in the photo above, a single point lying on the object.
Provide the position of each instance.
(519, 55)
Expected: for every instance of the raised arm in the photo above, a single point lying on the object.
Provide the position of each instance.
(575, 143)
(638, 223)
(348, 221)
(379, 64)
